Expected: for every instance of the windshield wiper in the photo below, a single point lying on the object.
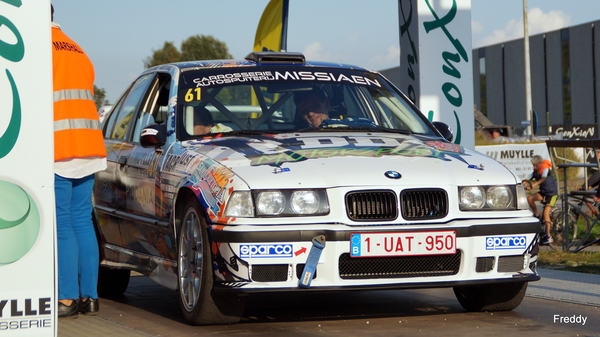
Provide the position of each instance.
(351, 129)
(241, 133)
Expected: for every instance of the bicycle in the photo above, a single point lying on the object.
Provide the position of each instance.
(557, 231)
(566, 238)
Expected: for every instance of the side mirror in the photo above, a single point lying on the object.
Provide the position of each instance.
(154, 135)
(445, 130)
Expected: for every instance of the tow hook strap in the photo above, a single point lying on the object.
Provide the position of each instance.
(318, 243)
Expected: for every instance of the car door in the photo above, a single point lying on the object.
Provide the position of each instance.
(145, 224)
(110, 190)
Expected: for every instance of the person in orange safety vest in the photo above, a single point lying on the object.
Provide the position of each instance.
(78, 153)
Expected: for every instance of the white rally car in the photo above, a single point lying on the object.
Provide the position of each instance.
(278, 174)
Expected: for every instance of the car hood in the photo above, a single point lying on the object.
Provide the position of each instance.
(318, 160)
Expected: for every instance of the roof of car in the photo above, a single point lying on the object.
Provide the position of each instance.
(258, 59)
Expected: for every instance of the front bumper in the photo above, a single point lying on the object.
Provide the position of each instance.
(272, 258)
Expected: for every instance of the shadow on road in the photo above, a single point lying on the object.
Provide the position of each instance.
(146, 295)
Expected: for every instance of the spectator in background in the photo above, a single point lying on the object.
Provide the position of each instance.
(79, 152)
(496, 136)
(594, 179)
(542, 177)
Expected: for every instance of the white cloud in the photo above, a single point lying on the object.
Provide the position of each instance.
(512, 30)
(356, 37)
(476, 27)
(390, 59)
(539, 22)
(315, 52)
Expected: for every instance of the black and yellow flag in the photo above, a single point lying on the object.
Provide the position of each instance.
(271, 34)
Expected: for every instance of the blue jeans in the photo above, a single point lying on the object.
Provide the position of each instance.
(78, 256)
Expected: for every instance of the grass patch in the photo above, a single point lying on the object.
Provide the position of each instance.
(581, 262)
(582, 229)
(594, 234)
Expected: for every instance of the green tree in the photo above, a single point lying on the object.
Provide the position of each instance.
(167, 54)
(197, 47)
(203, 47)
(100, 97)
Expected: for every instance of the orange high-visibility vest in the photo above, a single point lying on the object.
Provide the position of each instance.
(77, 132)
(546, 164)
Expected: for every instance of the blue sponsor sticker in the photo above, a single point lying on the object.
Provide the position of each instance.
(266, 250)
(505, 242)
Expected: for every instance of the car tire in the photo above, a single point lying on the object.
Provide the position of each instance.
(112, 282)
(199, 304)
(491, 297)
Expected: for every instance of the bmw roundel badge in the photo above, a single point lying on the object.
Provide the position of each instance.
(393, 174)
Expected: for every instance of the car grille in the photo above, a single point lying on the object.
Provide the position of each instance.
(398, 266)
(371, 205)
(269, 272)
(484, 264)
(300, 270)
(419, 204)
(382, 205)
(511, 263)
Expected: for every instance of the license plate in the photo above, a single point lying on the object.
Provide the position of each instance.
(402, 244)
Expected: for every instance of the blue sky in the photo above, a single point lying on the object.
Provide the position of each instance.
(119, 34)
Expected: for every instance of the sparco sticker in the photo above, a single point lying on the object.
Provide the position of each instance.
(275, 250)
(505, 242)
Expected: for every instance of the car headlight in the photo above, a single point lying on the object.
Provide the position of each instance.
(305, 202)
(500, 197)
(471, 197)
(268, 203)
(240, 205)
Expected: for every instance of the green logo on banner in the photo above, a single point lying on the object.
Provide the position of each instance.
(9, 138)
(19, 222)
(458, 135)
(14, 53)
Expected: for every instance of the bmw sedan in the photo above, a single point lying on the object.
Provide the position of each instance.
(274, 173)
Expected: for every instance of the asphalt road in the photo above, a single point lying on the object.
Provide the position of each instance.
(148, 309)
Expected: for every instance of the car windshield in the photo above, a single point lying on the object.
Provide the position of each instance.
(287, 99)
